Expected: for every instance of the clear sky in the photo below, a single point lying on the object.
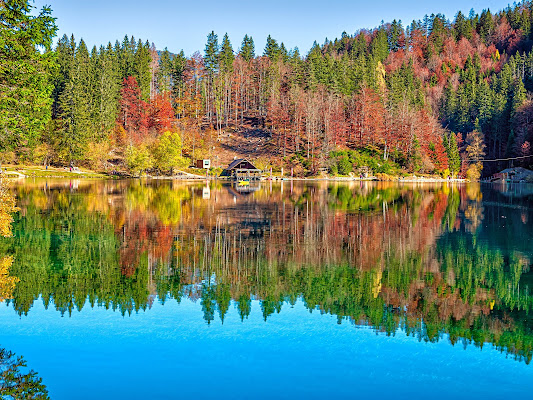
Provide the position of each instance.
(185, 24)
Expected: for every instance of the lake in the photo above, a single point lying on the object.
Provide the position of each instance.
(165, 289)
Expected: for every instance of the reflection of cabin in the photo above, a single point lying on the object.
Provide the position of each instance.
(242, 170)
(244, 190)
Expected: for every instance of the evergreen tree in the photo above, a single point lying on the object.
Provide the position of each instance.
(379, 47)
(75, 110)
(65, 50)
(454, 159)
(284, 54)
(108, 88)
(461, 27)
(164, 72)
(394, 35)
(179, 64)
(25, 70)
(518, 95)
(226, 55)
(16, 381)
(247, 51)
(271, 49)
(211, 53)
(485, 26)
(142, 72)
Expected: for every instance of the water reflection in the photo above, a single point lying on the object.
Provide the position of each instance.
(434, 260)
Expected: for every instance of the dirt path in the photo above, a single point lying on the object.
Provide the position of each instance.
(19, 175)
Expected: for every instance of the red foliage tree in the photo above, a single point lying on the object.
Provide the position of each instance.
(133, 110)
(161, 113)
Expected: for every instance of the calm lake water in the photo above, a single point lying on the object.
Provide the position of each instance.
(165, 290)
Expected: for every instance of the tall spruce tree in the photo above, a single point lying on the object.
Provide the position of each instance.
(226, 55)
(25, 69)
(108, 88)
(247, 51)
(454, 158)
(75, 109)
(271, 48)
(211, 53)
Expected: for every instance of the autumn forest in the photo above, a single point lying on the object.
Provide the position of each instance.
(434, 96)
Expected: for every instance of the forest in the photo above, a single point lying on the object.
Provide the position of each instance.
(435, 96)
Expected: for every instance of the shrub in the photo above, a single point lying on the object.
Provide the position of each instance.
(167, 152)
(344, 165)
(98, 154)
(138, 159)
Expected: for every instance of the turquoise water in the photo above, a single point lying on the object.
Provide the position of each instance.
(165, 290)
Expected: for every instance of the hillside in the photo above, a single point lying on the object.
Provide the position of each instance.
(436, 96)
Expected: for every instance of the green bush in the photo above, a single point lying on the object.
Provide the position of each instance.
(138, 159)
(344, 165)
(348, 160)
(167, 152)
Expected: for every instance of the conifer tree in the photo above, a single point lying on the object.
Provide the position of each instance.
(485, 26)
(454, 159)
(75, 110)
(226, 55)
(271, 48)
(142, 73)
(25, 97)
(164, 73)
(109, 88)
(247, 51)
(211, 53)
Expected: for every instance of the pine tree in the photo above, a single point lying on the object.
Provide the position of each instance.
(454, 159)
(394, 35)
(461, 27)
(226, 55)
(283, 53)
(485, 26)
(211, 53)
(126, 56)
(76, 113)
(25, 98)
(247, 51)
(65, 51)
(109, 88)
(177, 70)
(271, 49)
(142, 72)
(379, 47)
(93, 95)
(518, 95)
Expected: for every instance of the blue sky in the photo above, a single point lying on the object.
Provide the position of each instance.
(185, 24)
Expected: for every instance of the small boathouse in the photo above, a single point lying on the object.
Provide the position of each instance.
(242, 170)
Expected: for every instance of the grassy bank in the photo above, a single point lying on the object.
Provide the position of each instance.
(33, 171)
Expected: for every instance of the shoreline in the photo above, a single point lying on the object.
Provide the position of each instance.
(36, 172)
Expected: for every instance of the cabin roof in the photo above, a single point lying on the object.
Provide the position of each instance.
(238, 161)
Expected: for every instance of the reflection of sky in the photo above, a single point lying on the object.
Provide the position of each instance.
(170, 352)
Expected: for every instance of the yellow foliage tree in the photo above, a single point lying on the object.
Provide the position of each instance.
(7, 208)
(7, 283)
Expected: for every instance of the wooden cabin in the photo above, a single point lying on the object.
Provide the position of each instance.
(242, 170)
(206, 163)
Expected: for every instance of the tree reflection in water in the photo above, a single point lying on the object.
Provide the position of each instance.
(413, 257)
(16, 382)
